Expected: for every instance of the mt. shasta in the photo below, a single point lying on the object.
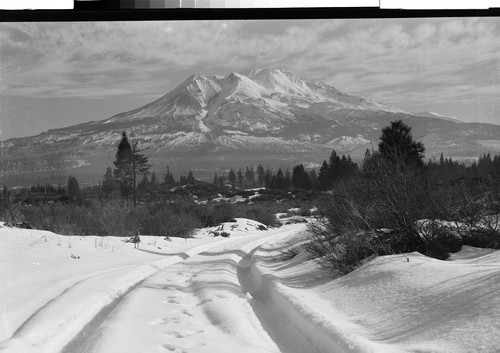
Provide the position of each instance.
(266, 116)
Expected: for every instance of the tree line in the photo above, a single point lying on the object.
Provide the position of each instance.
(131, 173)
(397, 203)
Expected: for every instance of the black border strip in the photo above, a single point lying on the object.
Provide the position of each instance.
(83, 14)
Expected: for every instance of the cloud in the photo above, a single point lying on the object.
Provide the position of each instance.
(409, 61)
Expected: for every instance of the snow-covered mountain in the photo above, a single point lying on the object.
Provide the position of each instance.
(429, 114)
(254, 116)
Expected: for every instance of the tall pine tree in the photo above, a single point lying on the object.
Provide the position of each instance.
(128, 164)
(397, 144)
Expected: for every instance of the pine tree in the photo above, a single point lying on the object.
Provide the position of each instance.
(5, 200)
(221, 180)
(74, 189)
(144, 183)
(261, 175)
(268, 178)
(306, 182)
(128, 164)
(313, 177)
(334, 168)
(239, 176)
(299, 175)
(279, 180)
(123, 171)
(441, 160)
(153, 184)
(169, 178)
(288, 180)
(250, 176)
(108, 184)
(323, 181)
(397, 144)
(190, 178)
(231, 177)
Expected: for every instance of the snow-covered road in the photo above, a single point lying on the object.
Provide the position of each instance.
(154, 301)
(214, 294)
(197, 305)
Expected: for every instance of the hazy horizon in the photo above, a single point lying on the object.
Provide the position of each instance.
(61, 74)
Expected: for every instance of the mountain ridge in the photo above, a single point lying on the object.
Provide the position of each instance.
(223, 121)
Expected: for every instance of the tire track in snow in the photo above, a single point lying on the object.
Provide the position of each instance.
(53, 326)
(287, 335)
(90, 331)
(209, 283)
(32, 317)
(293, 325)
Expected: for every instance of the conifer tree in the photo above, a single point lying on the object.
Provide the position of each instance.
(261, 175)
(231, 177)
(74, 189)
(323, 181)
(144, 183)
(397, 144)
(221, 180)
(313, 177)
(153, 184)
(169, 178)
(268, 178)
(128, 164)
(288, 180)
(190, 178)
(239, 176)
(279, 180)
(250, 176)
(123, 167)
(298, 176)
(108, 184)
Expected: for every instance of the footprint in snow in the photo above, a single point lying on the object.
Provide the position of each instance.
(178, 334)
(169, 347)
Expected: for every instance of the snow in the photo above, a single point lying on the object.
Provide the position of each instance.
(240, 293)
(430, 114)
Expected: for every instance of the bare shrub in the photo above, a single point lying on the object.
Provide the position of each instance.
(380, 212)
(171, 220)
(263, 215)
(475, 216)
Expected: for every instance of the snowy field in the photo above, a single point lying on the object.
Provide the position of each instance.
(237, 294)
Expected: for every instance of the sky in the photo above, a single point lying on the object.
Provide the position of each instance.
(61, 74)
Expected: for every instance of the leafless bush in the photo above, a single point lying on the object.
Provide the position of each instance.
(380, 212)
(475, 217)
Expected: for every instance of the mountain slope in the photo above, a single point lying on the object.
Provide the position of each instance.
(264, 116)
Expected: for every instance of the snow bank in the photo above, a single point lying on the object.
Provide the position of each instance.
(324, 330)
(387, 305)
(60, 283)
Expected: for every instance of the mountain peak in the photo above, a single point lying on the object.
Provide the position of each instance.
(241, 116)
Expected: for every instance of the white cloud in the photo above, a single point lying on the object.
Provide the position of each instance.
(415, 60)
